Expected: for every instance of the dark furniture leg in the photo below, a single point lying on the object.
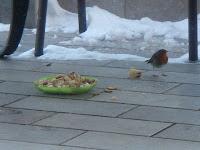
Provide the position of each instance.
(193, 31)
(82, 16)
(19, 13)
(41, 22)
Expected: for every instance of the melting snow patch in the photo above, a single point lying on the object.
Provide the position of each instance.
(61, 53)
(53, 52)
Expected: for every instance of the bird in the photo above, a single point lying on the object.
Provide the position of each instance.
(158, 59)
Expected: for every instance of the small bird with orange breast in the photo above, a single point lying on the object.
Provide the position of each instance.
(158, 59)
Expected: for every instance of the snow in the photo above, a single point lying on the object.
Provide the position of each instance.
(54, 52)
(62, 53)
(103, 25)
(4, 27)
(59, 19)
(183, 58)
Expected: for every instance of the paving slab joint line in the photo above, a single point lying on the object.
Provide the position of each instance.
(119, 116)
(106, 65)
(98, 131)
(136, 106)
(176, 139)
(64, 112)
(97, 116)
(48, 116)
(176, 94)
(85, 147)
(178, 84)
(24, 141)
(173, 124)
(85, 131)
(62, 143)
(2, 81)
(17, 100)
(49, 64)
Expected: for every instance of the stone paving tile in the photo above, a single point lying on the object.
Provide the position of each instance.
(104, 124)
(130, 64)
(172, 77)
(135, 85)
(127, 142)
(24, 88)
(187, 68)
(19, 116)
(182, 132)
(97, 63)
(87, 70)
(21, 65)
(72, 106)
(121, 73)
(164, 115)
(186, 89)
(13, 145)
(23, 76)
(18, 88)
(9, 98)
(122, 84)
(36, 134)
(150, 99)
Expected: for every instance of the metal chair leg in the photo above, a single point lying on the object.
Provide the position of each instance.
(41, 22)
(82, 16)
(193, 31)
(19, 13)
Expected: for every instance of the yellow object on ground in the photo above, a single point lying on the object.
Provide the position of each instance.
(134, 73)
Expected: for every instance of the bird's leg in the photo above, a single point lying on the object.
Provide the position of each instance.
(154, 75)
(162, 73)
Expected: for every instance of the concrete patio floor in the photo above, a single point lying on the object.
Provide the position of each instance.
(149, 113)
(145, 114)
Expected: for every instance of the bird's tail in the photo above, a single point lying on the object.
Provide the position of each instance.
(147, 61)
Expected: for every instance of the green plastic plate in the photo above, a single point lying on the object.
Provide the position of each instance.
(64, 90)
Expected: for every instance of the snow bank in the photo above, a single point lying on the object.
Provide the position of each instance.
(53, 52)
(59, 19)
(183, 58)
(62, 53)
(103, 25)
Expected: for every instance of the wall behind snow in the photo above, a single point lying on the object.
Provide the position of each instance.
(161, 10)
(6, 12)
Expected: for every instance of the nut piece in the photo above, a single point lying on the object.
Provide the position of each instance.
(112, 88)
(108, 91)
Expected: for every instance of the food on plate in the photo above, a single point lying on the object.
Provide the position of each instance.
(71, 79)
